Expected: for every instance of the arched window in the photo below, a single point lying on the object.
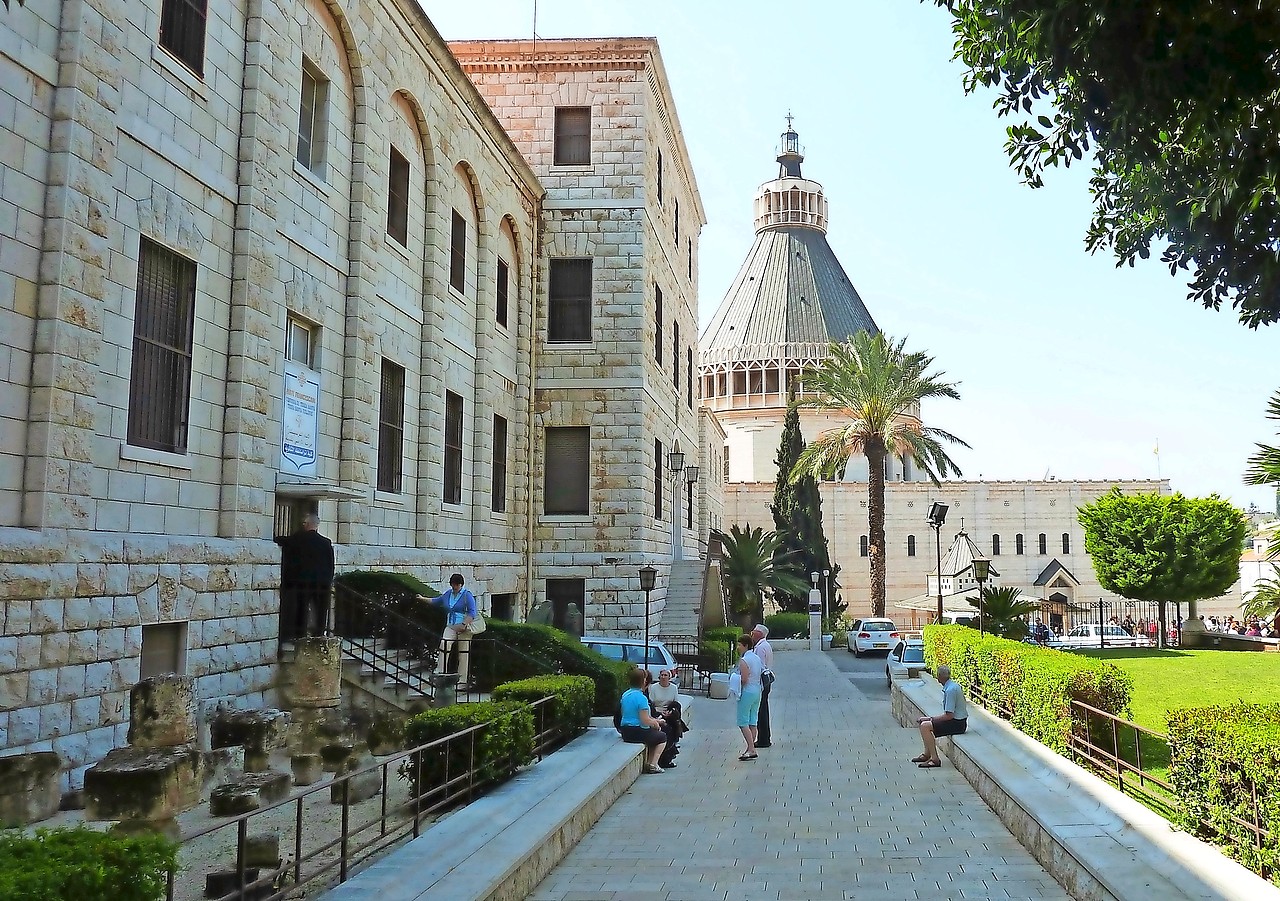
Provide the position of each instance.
(1066, 542)
(1044, 544)
(1017, 544)
(995, 545)
(864, 546)
(911, 545)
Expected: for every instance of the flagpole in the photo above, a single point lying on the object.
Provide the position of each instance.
(1159, 476)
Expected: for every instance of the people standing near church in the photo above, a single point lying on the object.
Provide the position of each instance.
(763, 650)
(749, 670)
(459, 609)
(306, 580)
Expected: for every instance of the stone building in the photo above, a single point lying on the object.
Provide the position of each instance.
(790, 299)
(262, 259)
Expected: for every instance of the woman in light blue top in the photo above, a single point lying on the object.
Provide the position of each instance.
(750, 667)
(637, 723)
(460, 609)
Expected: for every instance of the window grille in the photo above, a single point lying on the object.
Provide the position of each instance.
(566, 484)
(499, 490)
(1044, 544)
(182, 27)
(864, 547)
(573, 136)
(995, 545)
(911, 545)
(1066, 543)
(569, 307)
(391, 428)
(160, 377)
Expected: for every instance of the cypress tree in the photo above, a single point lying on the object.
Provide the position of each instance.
(797, 517)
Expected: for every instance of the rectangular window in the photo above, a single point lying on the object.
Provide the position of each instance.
(499, 489)
(689, 502)
(569, 308)
(657, 325)
(300, 342)
(566, 484)
(659, 176)
(567, 598)
(182, 24)
(163, 322)
(398, 199)
(691, 259)
(164, 649)
(504, 286)
(688, 374)
(677, 224)
(502, 606)
(675, 358)
(458, 253)
(573, 136)
(391, 428)
(452, 448)
(313, 118)
(657, 479)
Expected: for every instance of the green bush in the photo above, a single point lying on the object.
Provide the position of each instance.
(504, 743)
(510, 651)
(570, 707)
(721, 654)
(728, 634)
(1221, 758)
(399, 592)
(1030, 686)
(81, 864)
(788, 625)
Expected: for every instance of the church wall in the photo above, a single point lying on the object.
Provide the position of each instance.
(982, 509)
(100, 538)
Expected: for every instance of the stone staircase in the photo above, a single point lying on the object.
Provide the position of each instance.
(682, 615)
(408, 690)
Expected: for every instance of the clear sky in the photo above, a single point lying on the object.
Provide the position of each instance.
(1067, 365)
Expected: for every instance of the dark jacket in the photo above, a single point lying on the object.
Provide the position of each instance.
(306, 558)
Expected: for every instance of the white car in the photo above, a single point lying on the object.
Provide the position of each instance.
(1091, 635)
(906, 656)
(872, 634)
(631, 650)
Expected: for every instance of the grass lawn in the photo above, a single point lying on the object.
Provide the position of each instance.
(1169, 679)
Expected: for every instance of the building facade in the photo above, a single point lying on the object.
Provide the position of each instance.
(278, 258)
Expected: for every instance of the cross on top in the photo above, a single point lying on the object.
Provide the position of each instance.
(789, 118)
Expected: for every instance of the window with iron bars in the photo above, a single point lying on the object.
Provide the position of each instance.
(160, 375)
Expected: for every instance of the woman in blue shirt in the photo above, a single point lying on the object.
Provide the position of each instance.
(460, 609)
(637, 725)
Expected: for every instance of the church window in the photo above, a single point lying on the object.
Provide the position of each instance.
(1017, 544)
(911, 545)
(1066, 543)
(757, 382)
(864, 547)
(569, 307)
(573, 137)
(1044, 544)
(995, 545)
(182, 25)
(771, 381)
(740, 382)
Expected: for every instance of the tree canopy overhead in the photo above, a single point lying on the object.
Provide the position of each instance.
(1179, 100)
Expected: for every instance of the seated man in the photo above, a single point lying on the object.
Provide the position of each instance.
(953, 720)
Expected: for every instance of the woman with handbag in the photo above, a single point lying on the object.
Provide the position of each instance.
(461, 613)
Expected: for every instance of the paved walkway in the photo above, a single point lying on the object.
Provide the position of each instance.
(834, 810)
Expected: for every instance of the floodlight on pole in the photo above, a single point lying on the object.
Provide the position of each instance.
(981, 571)
(648, 578)
(937, 516)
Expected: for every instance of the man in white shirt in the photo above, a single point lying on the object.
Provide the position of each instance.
(765, 652)
(953, 720)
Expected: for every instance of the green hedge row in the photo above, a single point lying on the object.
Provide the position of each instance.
(728, 634)
(500, 747)
(1220, 760)
(721, 653)
(543, 650)
(788, 625)
(1032, 686)
(81, 864)
(572, 700)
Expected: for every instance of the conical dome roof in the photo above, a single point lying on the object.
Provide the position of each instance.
(791, 289)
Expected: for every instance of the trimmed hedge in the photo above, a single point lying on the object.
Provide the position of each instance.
(399, 591)
(1032, 687)
(727, 634)
(570, 707)
(1219, 759)
(500, 747)
(82, 864)
(788, 625)
(720, 651)
(544, 650)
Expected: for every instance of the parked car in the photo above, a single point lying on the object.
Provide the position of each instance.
(959, 618)
(907, 655)
(1087, 635)
(872, 635)
(631, 650)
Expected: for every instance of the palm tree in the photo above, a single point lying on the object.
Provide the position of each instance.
(1264, 603)
(1003, 611)
(750, 569)
(1264, 466)
(878, 386)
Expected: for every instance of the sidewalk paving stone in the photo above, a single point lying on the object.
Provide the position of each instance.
(834, 809)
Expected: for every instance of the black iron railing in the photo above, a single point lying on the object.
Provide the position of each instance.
(320, 856)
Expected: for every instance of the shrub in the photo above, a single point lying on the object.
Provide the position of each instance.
(398, 591)
(81, 864)
(1221, 758)
(510, 651)
(787, 625)
(504, 743)
(721, 654)
(570, 707)
(728, 634)
(1030, 686)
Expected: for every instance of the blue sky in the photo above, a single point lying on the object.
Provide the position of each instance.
(1066, 364)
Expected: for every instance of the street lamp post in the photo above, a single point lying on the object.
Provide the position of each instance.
(981, 570)
(815, 614)
(826, 596)
(675, 463)
(937, 516)
(648, 576)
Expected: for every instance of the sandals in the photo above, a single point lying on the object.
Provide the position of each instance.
(921, 759)
(929, 764)
(745, 756)
(650, 770)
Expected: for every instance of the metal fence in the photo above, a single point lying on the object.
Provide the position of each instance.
(321, 856)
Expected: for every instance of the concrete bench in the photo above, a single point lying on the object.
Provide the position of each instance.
(1095, 841)
(503, 844)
